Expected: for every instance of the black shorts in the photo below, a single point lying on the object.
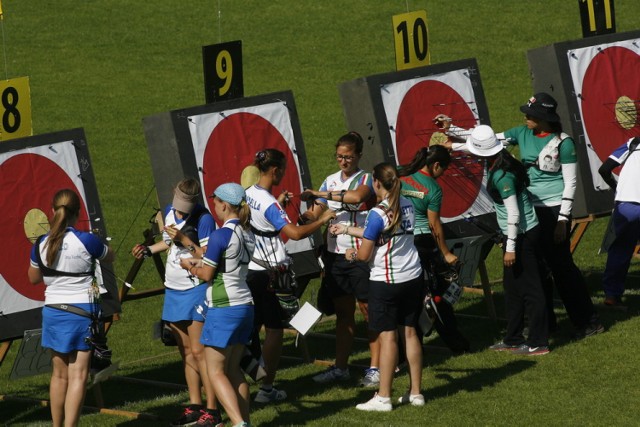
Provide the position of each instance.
(395, 304)
(267, 309)
(342, 277)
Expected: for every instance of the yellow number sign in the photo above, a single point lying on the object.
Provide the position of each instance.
(223, 71)
(411, 39)
(597, 17)
(15, 108)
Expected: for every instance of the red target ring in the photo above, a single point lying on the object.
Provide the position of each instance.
(612, 75)
(232, 146)
(29, 181)
(462, 181)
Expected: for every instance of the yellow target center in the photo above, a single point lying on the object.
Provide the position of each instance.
(626, 112)
(36, 223)
(250, 175)
(438, 138)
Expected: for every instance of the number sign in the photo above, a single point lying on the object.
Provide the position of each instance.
(223, 71)
(597, 17)
(411, 40)
(16, 108)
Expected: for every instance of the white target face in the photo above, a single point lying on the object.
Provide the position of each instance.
(607, 87)
(29, 178)
(225, 144)
(410, 107)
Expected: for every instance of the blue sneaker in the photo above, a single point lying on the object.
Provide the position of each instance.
(371, 378)
(332, 374)
(268, 396)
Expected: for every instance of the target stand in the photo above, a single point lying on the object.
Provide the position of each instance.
(149, 239)
(595, 83)
(394, 113)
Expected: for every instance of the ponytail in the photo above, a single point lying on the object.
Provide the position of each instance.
(244, 214)
(66, 209)
(387, 175)
(426, 156)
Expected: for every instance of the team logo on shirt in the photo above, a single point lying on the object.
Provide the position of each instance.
(506, 188)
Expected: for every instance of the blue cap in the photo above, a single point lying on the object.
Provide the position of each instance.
(231, 193)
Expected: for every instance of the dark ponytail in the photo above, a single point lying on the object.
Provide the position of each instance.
(426, 157)
(507, 163)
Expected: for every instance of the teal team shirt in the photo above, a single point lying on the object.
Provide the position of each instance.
(546, 187)
(421, 183)
(503, 184)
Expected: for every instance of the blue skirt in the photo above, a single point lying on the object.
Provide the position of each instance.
(65, 332)
(226, 326)
(185, 305)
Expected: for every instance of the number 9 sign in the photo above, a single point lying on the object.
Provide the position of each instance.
(15, 107)
(223, 71)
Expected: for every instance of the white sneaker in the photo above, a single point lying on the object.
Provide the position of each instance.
(332, 374)
(414, 399)
(371, 378)
(377, 403)
(270, 396)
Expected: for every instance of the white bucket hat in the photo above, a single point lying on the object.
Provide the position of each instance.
(483, 142)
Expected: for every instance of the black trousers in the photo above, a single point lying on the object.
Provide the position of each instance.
(524, 294)
(565, 275)
(448, 327)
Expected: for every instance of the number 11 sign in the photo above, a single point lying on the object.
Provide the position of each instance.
(411, 40)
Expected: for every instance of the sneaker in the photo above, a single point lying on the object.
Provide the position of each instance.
(414, 399)
(210, 418)
(501, 346)
(371, 378)
(377, 403)
(189, 417)
(526, 350)
(332, 374)
(252, 367)
(268, 396)
(590, 330)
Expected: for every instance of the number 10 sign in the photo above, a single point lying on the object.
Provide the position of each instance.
(411, 39)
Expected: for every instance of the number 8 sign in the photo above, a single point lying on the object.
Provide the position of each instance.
(15, 108)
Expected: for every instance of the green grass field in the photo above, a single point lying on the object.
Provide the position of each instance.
(104, 65)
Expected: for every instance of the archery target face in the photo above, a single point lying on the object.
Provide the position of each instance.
(410, 107)
(605, 80)
(29, 179)
(225, 144)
